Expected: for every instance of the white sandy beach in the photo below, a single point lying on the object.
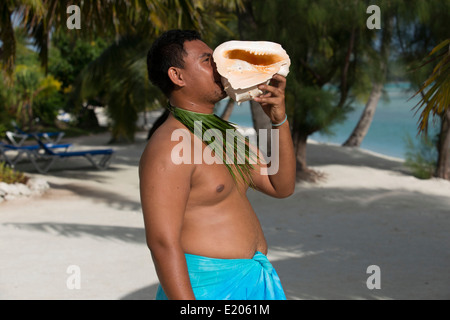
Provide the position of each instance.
(368, 211)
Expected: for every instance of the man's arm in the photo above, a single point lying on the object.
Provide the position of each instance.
(164, 188)
(282, 183)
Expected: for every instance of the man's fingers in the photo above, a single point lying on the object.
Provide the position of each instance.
(268, 100)
(274, 90)
(277, 85)
(266, 95)
(274, 93)
(280, 81)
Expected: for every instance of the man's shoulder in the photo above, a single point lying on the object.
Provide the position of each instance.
(164, 140)
(165, 136)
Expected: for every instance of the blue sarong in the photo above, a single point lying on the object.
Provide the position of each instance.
(232, 279)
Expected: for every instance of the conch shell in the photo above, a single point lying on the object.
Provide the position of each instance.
(244, 65)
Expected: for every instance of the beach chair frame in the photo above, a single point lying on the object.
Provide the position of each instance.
(49, 157)
(30, 152)
(18, 138)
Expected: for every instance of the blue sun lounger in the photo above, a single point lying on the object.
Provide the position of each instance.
(103, 157)
(12, 154)
(19, 137)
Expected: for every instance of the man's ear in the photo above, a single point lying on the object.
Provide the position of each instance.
(176, 76)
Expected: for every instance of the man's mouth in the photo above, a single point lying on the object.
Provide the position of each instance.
(219, 83)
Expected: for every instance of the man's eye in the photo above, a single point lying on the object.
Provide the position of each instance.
(207, 59)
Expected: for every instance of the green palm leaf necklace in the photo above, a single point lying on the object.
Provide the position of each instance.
(219, 134)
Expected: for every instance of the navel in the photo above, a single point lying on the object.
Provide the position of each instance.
(220, 188)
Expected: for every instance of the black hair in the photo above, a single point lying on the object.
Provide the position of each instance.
(168, 51)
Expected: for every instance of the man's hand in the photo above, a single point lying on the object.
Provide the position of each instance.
(273, 100)
(282, 183)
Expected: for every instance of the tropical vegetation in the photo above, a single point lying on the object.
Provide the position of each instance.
(336, 60)
(10, 176)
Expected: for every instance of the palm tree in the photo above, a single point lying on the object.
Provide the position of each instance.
(100, 18)
(422, 32)
(106, 19)
(248, 29)
(325, 41)
(118, 77)
(436, 101)
(23, 92)
(118, 74)
(228, 110)
(378, 60)
(425, 21)
(8, 10)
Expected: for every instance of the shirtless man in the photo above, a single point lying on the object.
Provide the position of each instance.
(197, 210)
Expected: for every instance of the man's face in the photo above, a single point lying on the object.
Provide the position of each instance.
(200, 73)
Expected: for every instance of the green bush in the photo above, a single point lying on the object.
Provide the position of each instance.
(47, 103)
(421, 158)
(10, 176)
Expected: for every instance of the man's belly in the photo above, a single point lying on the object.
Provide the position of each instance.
(225, 233)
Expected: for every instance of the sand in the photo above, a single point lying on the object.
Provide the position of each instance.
(367, 211)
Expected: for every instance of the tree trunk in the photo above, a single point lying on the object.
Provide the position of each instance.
(303, 172)
(362, 127)
(247, 26)
(365, 121)
(228, 110)
(443, 165)
(8, 50)
(261, 121)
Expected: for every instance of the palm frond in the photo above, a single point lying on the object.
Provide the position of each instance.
(118, 78)
(238, 156)
(435, 90)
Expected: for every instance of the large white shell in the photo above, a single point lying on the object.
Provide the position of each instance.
(244, 65)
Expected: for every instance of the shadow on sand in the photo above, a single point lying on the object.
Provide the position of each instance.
(145, 293)
(113, 199)
(323, 251)
(71, 230)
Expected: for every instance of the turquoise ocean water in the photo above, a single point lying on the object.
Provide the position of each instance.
(394, 120)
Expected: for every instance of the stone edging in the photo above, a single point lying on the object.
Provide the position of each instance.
(34, 187)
